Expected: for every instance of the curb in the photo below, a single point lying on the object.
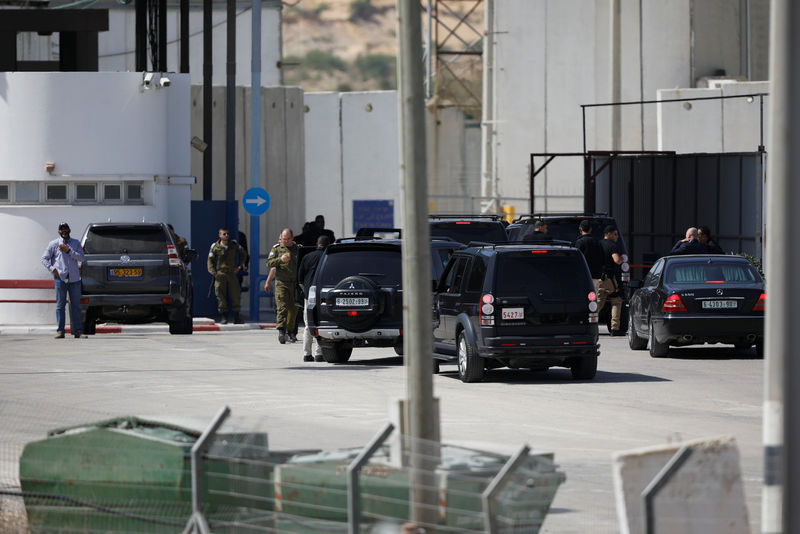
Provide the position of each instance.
(200, 325)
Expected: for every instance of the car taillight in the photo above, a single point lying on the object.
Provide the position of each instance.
(174, 260)
(463, 222)
(312, 296)
(761, 305)
(486, 310)
(592, 307)
(673, 304)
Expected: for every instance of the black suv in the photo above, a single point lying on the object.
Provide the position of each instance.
(516, 305)
(357, 297)
(132, 273)
(469, 228)
(564, 226)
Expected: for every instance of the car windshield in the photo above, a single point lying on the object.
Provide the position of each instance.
(551, 274)
(466, 231)
(382, 266)
(125, 240)
(712, 273)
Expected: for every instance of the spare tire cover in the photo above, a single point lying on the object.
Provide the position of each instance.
(356, 303)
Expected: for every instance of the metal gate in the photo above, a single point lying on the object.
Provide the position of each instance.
(655, 198)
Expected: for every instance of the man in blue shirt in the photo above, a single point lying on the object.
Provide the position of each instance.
(61, 258)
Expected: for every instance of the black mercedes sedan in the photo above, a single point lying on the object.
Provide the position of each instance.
(697, 299)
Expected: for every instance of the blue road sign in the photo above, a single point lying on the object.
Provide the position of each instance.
(255, 201)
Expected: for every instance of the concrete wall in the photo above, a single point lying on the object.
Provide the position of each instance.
(725, 125)
(552, 56)
(323, 160)
(95, 128)
(282, 172)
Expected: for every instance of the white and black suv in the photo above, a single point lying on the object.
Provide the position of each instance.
(133, 273)
(529, 306)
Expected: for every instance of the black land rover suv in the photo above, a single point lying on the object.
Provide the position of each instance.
(564, 226)
(132, 273)
(357, 298)
(517, 305)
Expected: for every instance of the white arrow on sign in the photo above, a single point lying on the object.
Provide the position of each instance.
(257, 201)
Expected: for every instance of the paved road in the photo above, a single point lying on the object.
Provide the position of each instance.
(635, 401)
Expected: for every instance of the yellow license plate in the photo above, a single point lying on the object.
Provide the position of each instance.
(125, 272)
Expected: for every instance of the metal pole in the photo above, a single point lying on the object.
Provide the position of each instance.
(779, 499)
(230, 109)
(197, 521)
(184, 7)
(141, 34)
(616, 78)
(255, 155)
(353, 470)
(659, 481)
(207, 100)
(431, 51)
(417, 340)
(162, 36)
(488, 495)
(487, 111)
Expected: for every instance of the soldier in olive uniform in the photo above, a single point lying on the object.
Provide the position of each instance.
(283, 257)
(225, 259)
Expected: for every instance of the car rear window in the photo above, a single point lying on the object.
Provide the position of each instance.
(466, 231)
(382, 266)
(710, 273)
(551, 274)
(126, 240)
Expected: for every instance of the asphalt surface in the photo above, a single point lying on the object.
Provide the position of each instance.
(634, 401)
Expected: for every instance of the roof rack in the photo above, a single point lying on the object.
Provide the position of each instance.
(470, 216)
(369, 233)
(528, 216)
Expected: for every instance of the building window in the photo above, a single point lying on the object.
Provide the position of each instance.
(85, 192)
(112, 193)
(56, 192)
(26, 192)
(4, 193)
(133, 193)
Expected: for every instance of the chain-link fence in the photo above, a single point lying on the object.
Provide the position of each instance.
(88, 472)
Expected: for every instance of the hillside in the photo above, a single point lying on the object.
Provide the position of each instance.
(340, 45)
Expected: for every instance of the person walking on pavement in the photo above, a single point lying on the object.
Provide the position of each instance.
(225, 259)
(62, 258)
(608, 280)
(593, 252)
(704, 236)
(305, 273)
(283, 257)
(689, 244)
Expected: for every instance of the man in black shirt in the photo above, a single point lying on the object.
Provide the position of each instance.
(305, 274)
(592, 251)
(704, 236)
(608, 283)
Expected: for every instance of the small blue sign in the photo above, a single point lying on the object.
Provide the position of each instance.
(255, 201)
(373, 214)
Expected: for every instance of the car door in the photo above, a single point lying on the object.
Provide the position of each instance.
(640, 299)
(447, 303)
(651, 297)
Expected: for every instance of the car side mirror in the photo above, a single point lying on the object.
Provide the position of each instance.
(189, 255)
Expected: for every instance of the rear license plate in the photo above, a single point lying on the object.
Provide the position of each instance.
(511, 314)
(124, 272)
(352, 301)
(719, 304)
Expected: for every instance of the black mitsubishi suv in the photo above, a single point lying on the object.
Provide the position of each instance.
(357, 298)
(517, 305)
(133, 273)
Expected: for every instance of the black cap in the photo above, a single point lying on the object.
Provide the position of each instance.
(63, 225)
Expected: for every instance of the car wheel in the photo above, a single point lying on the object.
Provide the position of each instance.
(182, 325)
(89, 322)
(760, 347)
(398, 349)
(337, 353)
(657, 350)
(470, 365)
(634, 341)
(584, 368)
(435, 366)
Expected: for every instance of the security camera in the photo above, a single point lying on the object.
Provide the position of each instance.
(164, 81)
(147, 79)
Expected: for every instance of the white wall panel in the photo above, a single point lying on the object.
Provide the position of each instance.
(323, 158)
